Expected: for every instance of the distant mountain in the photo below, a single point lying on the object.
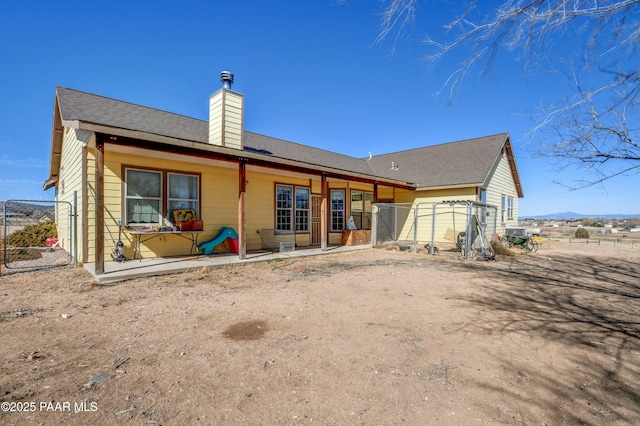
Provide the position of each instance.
(31, 210)
(573, 215)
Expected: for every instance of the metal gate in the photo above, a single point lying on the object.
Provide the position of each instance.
(37, 234)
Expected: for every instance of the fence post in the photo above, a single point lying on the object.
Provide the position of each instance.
(433, 228)
(415, 227)
(4, 234)
(395, 224)
(467, 241)
(374, 224)
(74, 212)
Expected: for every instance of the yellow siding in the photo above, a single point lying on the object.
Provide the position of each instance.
(385, 193)
(219, 203)
(449, 224)
(218, 197)
(91, 205)
(449, 220)
(260, 208)
(219, 200)
(70, 181)
(502, 183)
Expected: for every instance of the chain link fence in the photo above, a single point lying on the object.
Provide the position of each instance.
(36, 234)
(458, 228)
(391, 224)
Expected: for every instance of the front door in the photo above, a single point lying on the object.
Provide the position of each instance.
(316, 219)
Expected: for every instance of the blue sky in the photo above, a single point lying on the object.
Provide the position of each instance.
(309, 70)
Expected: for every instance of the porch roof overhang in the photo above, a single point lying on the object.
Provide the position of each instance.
(144, 140)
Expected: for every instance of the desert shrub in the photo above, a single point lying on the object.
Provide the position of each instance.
(582, 233)
(33, 235)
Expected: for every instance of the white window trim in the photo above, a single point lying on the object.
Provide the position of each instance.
(296, 209)
(510, 207)
(342, 210)
(292, 209)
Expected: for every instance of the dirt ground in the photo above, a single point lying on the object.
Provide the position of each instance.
(371, 337)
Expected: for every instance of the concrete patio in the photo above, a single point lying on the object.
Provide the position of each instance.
(130, 269)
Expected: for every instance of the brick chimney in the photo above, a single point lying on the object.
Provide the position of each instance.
(226, 115)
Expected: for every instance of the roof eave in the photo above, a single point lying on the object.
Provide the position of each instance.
(57, 134)
(456, 186)
(229, 152)
(514, 168)
(511, 159)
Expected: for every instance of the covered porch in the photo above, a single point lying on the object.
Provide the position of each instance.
(115, 271)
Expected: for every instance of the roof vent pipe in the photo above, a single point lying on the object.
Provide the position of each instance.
(226, 78)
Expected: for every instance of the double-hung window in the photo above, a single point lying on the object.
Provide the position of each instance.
(292, 204)
(337, 210)
(182, 192)
(284, 207)
(143, 197)
(302, 209)
(510, 207)
(151, 195)
(503, 208)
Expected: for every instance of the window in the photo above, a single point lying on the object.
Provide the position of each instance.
(483, 210)
(483, 196)
(143, 197)
(506, 208)
(288, 211)
(302, 209)
(183, 193)
(510, 207)
(337, 210)
(284, 206)
(361, 203)
(147, 201)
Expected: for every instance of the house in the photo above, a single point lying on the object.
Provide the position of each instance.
(135, 165)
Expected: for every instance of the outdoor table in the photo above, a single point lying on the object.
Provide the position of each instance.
(142, 236)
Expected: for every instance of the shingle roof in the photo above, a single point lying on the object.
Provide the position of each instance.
(89, 108)
(306, 154)
(466, 162)
(451, 164)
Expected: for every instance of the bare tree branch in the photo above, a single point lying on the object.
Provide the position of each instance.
(596, 129)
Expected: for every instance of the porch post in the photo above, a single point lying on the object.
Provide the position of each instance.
(242, 189)
(99, 218)
(375, 192)
(324, 220)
